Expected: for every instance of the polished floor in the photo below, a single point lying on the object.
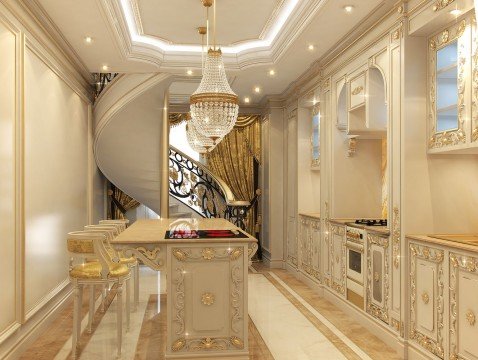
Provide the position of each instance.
(287, 321)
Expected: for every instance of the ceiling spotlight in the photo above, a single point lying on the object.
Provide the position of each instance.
(105, 67)
(88, 39)
(272, 72)
(257, 89)
(349, 8)
(189, 72)
(311, 47)
(247, 100)
(455, 12)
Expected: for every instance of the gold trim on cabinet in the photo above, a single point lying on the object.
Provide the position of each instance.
(208, 299)
(470, 317)
(441, 4)
(456, 136)
(357, 90)
(396, 237)
(425, 298)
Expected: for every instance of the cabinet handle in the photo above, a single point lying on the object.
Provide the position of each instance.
(357, 90)
(376, 276)
(470, 317)
(425, 297)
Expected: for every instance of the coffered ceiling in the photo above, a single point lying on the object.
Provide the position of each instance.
(256, 36)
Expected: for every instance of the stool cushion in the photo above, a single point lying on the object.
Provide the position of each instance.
(92, 270)
(130, 260)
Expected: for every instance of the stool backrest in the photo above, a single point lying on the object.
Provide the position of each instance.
(81, 243)
(121, 223)
(111, 227)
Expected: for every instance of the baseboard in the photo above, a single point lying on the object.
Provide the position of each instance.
(292, 269)
(415, 353)
(313, 284)
(383, 332)
(272, 263)
(24, 337)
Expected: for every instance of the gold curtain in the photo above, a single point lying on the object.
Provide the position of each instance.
(126, 201)
(233, 161)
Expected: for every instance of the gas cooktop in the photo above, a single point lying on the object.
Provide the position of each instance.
(371, 222)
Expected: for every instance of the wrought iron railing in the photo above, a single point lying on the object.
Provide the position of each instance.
(101, 81)
(195, 186)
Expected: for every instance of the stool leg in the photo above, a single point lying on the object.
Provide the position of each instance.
(136, 286)
(77, 302)
(119, 315)
(103, 298)
(128, 301)
(91, 312)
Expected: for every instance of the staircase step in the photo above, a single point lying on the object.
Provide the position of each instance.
(180, 215)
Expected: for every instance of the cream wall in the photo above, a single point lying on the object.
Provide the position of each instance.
(50, 184)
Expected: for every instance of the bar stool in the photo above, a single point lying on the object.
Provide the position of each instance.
(105, 270)
(124, 222)
(131, 261)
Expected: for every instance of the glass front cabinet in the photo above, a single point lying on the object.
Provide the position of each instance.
(453, 89)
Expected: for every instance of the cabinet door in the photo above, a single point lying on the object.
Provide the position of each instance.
(426, 298)
(326, 250)
(304, 244)
(357, 91)
(464, 307)
(378, 270)
(315, 238)
(338, 258)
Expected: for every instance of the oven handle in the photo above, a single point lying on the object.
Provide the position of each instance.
(354, 246)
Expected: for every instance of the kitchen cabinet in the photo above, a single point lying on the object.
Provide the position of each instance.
(463, 306)
(427, 283)
(357, 90)
(309, 247)
(452, 117)
(337, 258)
(292, 242)
(378, 276)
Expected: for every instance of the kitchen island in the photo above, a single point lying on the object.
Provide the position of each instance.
(206, 261)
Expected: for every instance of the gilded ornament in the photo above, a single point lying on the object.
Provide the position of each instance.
(461, 28)
(441, 4)
(149, 254)
(425, 298)
(396, 34)
(357, 90)
(237, 342)
(470, 317)
(180, 254)
(445, 36)
(474, 135)
(433, 45)
(178, 345)
(376, 276)
(470, 265)
(80, 246)
(208, 299)
(396, 237)
(400, 9)
(235, 254)
(208, 253)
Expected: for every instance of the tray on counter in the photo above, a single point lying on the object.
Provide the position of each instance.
(205, 234)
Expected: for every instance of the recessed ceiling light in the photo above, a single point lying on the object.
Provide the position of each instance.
(349, 8)
(247, 100)
(189, 72)
(88, 39)
(257, 89)
(105, 67)
(455, 12)
(311, 47)
(272, 72)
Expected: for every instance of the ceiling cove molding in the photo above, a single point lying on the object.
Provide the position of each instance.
(143, 48)
(49, 28)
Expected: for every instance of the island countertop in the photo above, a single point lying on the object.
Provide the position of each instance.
(154, 231)
(311, 215)
(376, 229)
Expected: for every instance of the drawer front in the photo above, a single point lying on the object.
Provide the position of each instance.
(427, 298)
(357, 91)
(464, 307)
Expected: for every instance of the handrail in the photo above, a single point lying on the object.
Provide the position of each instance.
(197, 187)
(228, 194)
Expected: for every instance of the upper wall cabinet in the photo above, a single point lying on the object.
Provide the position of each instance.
(452, 89)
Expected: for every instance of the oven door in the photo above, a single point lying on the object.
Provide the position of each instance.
(355, 263)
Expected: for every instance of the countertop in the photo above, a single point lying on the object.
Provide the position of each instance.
(311, 215)
(448, 243)
(154, 231)
(375, 229)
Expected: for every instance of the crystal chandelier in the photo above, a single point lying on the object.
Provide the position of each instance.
(214, 106)
(198, 141)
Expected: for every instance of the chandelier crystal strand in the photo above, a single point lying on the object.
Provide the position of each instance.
(196, 140)
(214, 106)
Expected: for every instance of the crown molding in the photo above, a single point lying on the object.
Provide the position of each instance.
(38, 14)
(302, 14)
